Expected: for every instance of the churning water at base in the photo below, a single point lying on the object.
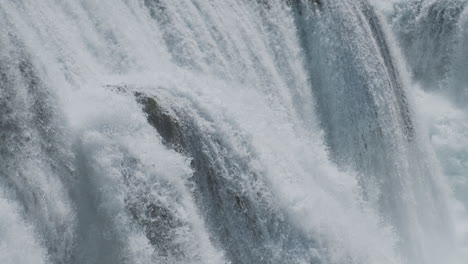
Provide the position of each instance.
(195, 131)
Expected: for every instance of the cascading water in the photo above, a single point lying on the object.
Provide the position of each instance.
(367, 114)
(195, 131)
(433, 36)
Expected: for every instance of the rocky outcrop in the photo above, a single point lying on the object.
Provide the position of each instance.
(167, 126)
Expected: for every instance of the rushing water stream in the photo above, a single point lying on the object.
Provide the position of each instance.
(233, 131)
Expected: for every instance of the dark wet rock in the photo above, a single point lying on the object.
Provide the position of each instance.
(120, 88)
(166, 125)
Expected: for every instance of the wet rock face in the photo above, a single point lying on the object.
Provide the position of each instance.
(166, 125)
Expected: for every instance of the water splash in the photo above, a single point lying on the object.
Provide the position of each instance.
(197, 131)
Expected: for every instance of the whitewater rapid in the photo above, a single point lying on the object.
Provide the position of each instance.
(195, 131)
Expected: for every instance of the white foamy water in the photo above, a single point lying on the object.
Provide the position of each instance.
(192, 131)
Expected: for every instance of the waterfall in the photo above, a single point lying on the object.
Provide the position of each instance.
(433, 36)
(195, 131)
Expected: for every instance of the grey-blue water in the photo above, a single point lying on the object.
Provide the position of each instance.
(233, 131)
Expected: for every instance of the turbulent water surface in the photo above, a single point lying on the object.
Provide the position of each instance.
(240, 131)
